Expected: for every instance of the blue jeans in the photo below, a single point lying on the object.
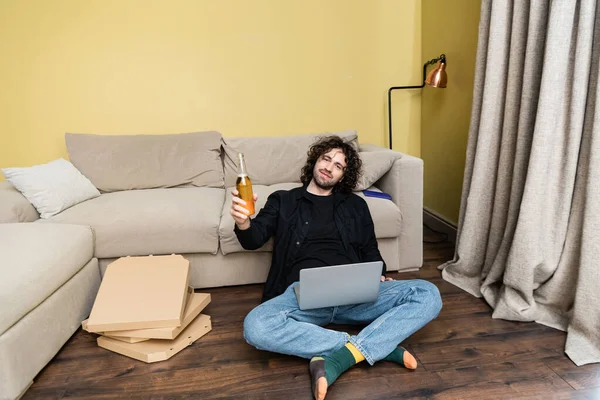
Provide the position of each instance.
(403, 307)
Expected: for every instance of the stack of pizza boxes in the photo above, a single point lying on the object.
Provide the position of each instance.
(146, 310)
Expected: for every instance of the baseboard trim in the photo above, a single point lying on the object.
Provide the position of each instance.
(439, 223)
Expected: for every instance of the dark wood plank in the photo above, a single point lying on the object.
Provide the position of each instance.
(586, 394)
(504, 380)
(584, 377)
(479, 324)
(475, 351)
(463, 304)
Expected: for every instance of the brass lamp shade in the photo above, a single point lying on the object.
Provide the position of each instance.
(437, 77)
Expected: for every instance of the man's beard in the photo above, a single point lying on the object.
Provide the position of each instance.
(325, 185)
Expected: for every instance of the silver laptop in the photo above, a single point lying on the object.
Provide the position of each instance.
(339, 285)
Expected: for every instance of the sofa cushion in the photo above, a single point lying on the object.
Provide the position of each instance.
(272, 160)
(151, 221)
(14, 206)
(125, 162)
(37, 259)
(386, 217)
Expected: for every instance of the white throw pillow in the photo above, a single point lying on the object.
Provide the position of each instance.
(51, 187)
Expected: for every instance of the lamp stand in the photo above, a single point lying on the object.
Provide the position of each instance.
(430, 62)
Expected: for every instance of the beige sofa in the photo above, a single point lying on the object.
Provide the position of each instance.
(49, 278)
(164, 194)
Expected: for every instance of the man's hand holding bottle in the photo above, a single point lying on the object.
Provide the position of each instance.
(238, 212)
(242, 204)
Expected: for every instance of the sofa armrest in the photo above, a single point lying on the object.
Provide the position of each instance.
(14, 207)
(404, 182)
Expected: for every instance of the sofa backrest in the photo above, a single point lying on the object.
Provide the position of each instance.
(272, 160)
(127, 162)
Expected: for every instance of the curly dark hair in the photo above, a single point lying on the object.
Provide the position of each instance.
(353, 163)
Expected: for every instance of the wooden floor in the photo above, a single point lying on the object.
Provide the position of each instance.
(463, 354)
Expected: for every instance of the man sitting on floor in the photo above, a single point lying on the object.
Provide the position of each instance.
(322, 224)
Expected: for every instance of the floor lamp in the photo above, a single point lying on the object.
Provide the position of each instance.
(437, 78)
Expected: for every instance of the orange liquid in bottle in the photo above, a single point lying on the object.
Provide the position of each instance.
(243, 185)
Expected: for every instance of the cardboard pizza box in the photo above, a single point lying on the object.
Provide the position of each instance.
(159, 349)
(127, 339)
(141, 293)
(121, 338)
(195, 304)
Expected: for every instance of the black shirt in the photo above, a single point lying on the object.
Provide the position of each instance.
(288, 215)
(323, 244)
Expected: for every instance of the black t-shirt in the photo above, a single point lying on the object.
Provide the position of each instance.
(323, 245)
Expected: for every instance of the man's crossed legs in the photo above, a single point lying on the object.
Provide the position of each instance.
(403, 307)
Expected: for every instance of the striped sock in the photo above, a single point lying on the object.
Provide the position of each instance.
(325, 370)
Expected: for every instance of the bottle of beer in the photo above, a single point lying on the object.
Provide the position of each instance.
(244, 185)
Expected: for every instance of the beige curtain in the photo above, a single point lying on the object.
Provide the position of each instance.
(529, 228)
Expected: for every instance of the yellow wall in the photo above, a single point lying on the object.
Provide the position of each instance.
(242, 67)
(449, 27)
